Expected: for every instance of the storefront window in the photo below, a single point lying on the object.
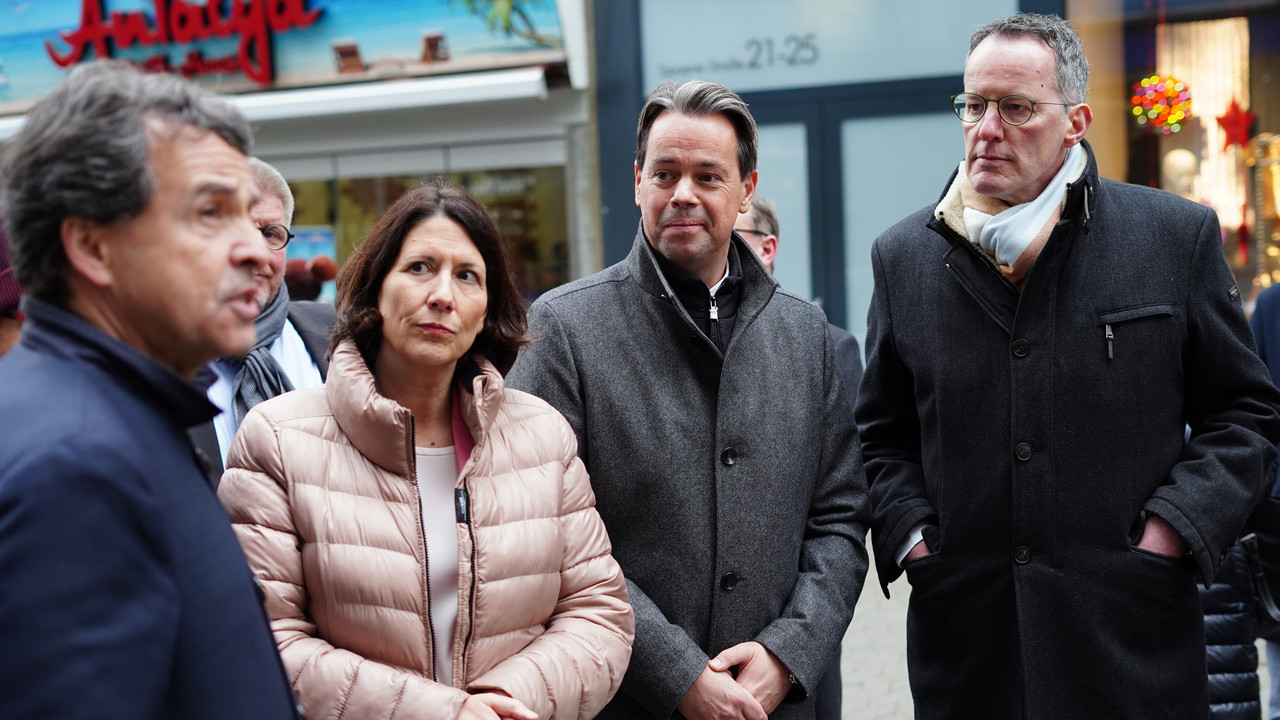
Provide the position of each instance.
(1218, 62)
(331, 217)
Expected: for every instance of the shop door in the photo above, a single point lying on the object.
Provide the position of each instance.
(843, 165)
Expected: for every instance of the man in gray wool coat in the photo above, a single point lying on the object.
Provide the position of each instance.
(719, 436)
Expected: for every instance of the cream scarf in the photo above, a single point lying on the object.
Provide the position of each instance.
(1012, 236)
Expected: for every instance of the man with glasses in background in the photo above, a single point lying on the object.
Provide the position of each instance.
(293, 337)
(1037, 342)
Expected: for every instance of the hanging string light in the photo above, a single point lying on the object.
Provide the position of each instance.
(1161, 104)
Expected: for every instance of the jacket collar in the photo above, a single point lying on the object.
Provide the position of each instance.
(693, 292)
(758, 286)
(382, 429)
(53, 331)
(477, 398)
(1082, 195)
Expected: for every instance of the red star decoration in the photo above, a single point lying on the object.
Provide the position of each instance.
(1235, 122)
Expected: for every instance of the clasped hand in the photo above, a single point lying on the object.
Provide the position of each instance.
(761, 684)
(494, 706)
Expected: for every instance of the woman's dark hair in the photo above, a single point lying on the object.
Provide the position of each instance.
(361, 278)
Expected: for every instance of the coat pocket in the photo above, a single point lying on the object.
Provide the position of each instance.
(1134, 328)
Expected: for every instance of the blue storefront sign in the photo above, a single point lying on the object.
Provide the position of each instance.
(247, 45)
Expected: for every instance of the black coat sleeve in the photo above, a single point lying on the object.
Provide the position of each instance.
(889, 428)
(1231, 409)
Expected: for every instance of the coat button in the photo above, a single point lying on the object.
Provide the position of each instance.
(1024, 451)
(729, 581)
(1021, 348)
(729, 456)
(1022, 554)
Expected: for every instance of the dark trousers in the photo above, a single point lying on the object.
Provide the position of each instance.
(829, 693)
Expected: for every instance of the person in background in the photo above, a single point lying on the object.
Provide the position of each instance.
(759, 228)
(1034, 353)
(293, 336)
(427, 538)
(710, 412)
(10, 297)
(124, 592)
(1265, 323)
(305, 278)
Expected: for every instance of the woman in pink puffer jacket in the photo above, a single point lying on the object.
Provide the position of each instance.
(426, 539)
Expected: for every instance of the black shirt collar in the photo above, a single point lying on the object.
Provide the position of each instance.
(694, 293)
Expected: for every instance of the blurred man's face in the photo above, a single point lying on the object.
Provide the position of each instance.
(181, 286)
(765, 245)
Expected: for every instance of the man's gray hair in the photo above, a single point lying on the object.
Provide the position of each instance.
(84, 152)
(269, 181)
(764, 215)
(699, 98)
(1072, 76)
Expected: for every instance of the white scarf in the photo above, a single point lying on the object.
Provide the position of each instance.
(1008, 234)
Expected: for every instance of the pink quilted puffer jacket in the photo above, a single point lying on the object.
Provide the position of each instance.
(320, 488)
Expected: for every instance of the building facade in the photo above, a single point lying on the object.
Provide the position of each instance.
(532, 106)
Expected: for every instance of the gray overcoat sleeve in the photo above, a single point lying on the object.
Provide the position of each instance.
(664, 659)
(833, 556)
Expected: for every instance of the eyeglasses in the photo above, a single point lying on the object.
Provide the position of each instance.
(761, 233)
(277, 235)
(1013, 109)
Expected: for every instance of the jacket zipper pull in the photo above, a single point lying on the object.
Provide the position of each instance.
(1111, 353)
(462, 505)
(715, 312)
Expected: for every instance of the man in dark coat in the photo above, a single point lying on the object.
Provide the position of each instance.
(719, 436)
(1037, 342)
(123, 592)
(293, 336)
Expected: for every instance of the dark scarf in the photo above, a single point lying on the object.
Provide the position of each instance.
(258, 376)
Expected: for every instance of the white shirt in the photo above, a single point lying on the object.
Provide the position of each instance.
(290, 352)
(437, 475)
